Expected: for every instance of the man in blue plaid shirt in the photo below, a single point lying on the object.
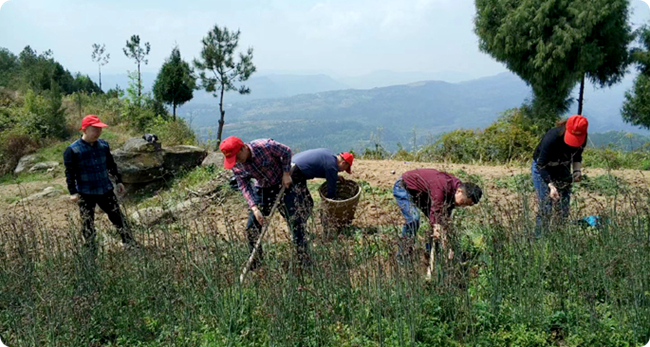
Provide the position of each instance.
(88, 164)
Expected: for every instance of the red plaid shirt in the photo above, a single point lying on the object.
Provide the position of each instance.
(269, 160)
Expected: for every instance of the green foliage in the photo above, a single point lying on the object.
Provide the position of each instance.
(175, 83)
(520, 183)
(612, 158)
(510, 138)
(44, 115)
(376, 153)
(172, 132)
(133, 50)
(140, 110)
(604, 184)
(9, 68)
(219, 73)
(466, 177)
(635, 108)
(40, 72)
(551, 44)
(575, 287)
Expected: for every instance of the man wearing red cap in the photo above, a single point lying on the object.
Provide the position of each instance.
(88, 164)
(318, 163)
(557, 163)
(322, 163)
(269, 163)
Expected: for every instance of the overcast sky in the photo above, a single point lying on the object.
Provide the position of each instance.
(338, 37)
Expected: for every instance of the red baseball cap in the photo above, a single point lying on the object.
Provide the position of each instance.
(230, 147)
(576, 131)
(93, 120)
(349, 158)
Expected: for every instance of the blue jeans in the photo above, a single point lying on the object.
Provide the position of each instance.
(547, 207)
(410, 212)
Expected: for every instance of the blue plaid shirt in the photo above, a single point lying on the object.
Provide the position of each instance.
(87, 168)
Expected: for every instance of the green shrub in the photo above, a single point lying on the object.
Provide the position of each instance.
(44, 115)
(612, 158)
(510, 138)
(172, 133)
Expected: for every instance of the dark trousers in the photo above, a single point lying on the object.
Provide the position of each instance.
(295, 207)
(108, 203)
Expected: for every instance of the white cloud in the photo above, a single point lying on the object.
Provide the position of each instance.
(648, 3)
(2, 2)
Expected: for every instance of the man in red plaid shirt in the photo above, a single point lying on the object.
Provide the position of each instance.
(269, 163)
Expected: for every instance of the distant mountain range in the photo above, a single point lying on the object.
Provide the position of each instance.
(308, 111)
(280, 85)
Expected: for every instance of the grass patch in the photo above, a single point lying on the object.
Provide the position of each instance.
(604, 184)
(520, 183)
(179, 187)
(466, 177)
(25, 178)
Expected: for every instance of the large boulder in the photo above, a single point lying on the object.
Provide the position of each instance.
(213, 159)
(139, 167)
(138, 144)
(177, 158)
(25, 163)
(141, 162)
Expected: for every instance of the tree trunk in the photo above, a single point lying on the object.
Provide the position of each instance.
(100, 78)
(174, 113)
(582, 94)
(139, 85)
(221, 121)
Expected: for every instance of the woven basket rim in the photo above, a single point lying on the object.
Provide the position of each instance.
(320, 192)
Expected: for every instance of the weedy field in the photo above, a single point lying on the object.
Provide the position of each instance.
(576, 286)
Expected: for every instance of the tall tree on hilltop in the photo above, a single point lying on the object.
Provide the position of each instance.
(134, 51)
(99, 58)
(552, 45)
(176, 82)
(636, 108)
(219, 72)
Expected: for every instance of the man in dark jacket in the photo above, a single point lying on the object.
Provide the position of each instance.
(557, 163)
(88, 164)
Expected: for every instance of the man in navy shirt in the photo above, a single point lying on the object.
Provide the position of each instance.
(317, 163)
(322, 163)
(88, 164)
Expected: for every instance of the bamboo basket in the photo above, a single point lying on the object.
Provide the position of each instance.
(338, 214)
